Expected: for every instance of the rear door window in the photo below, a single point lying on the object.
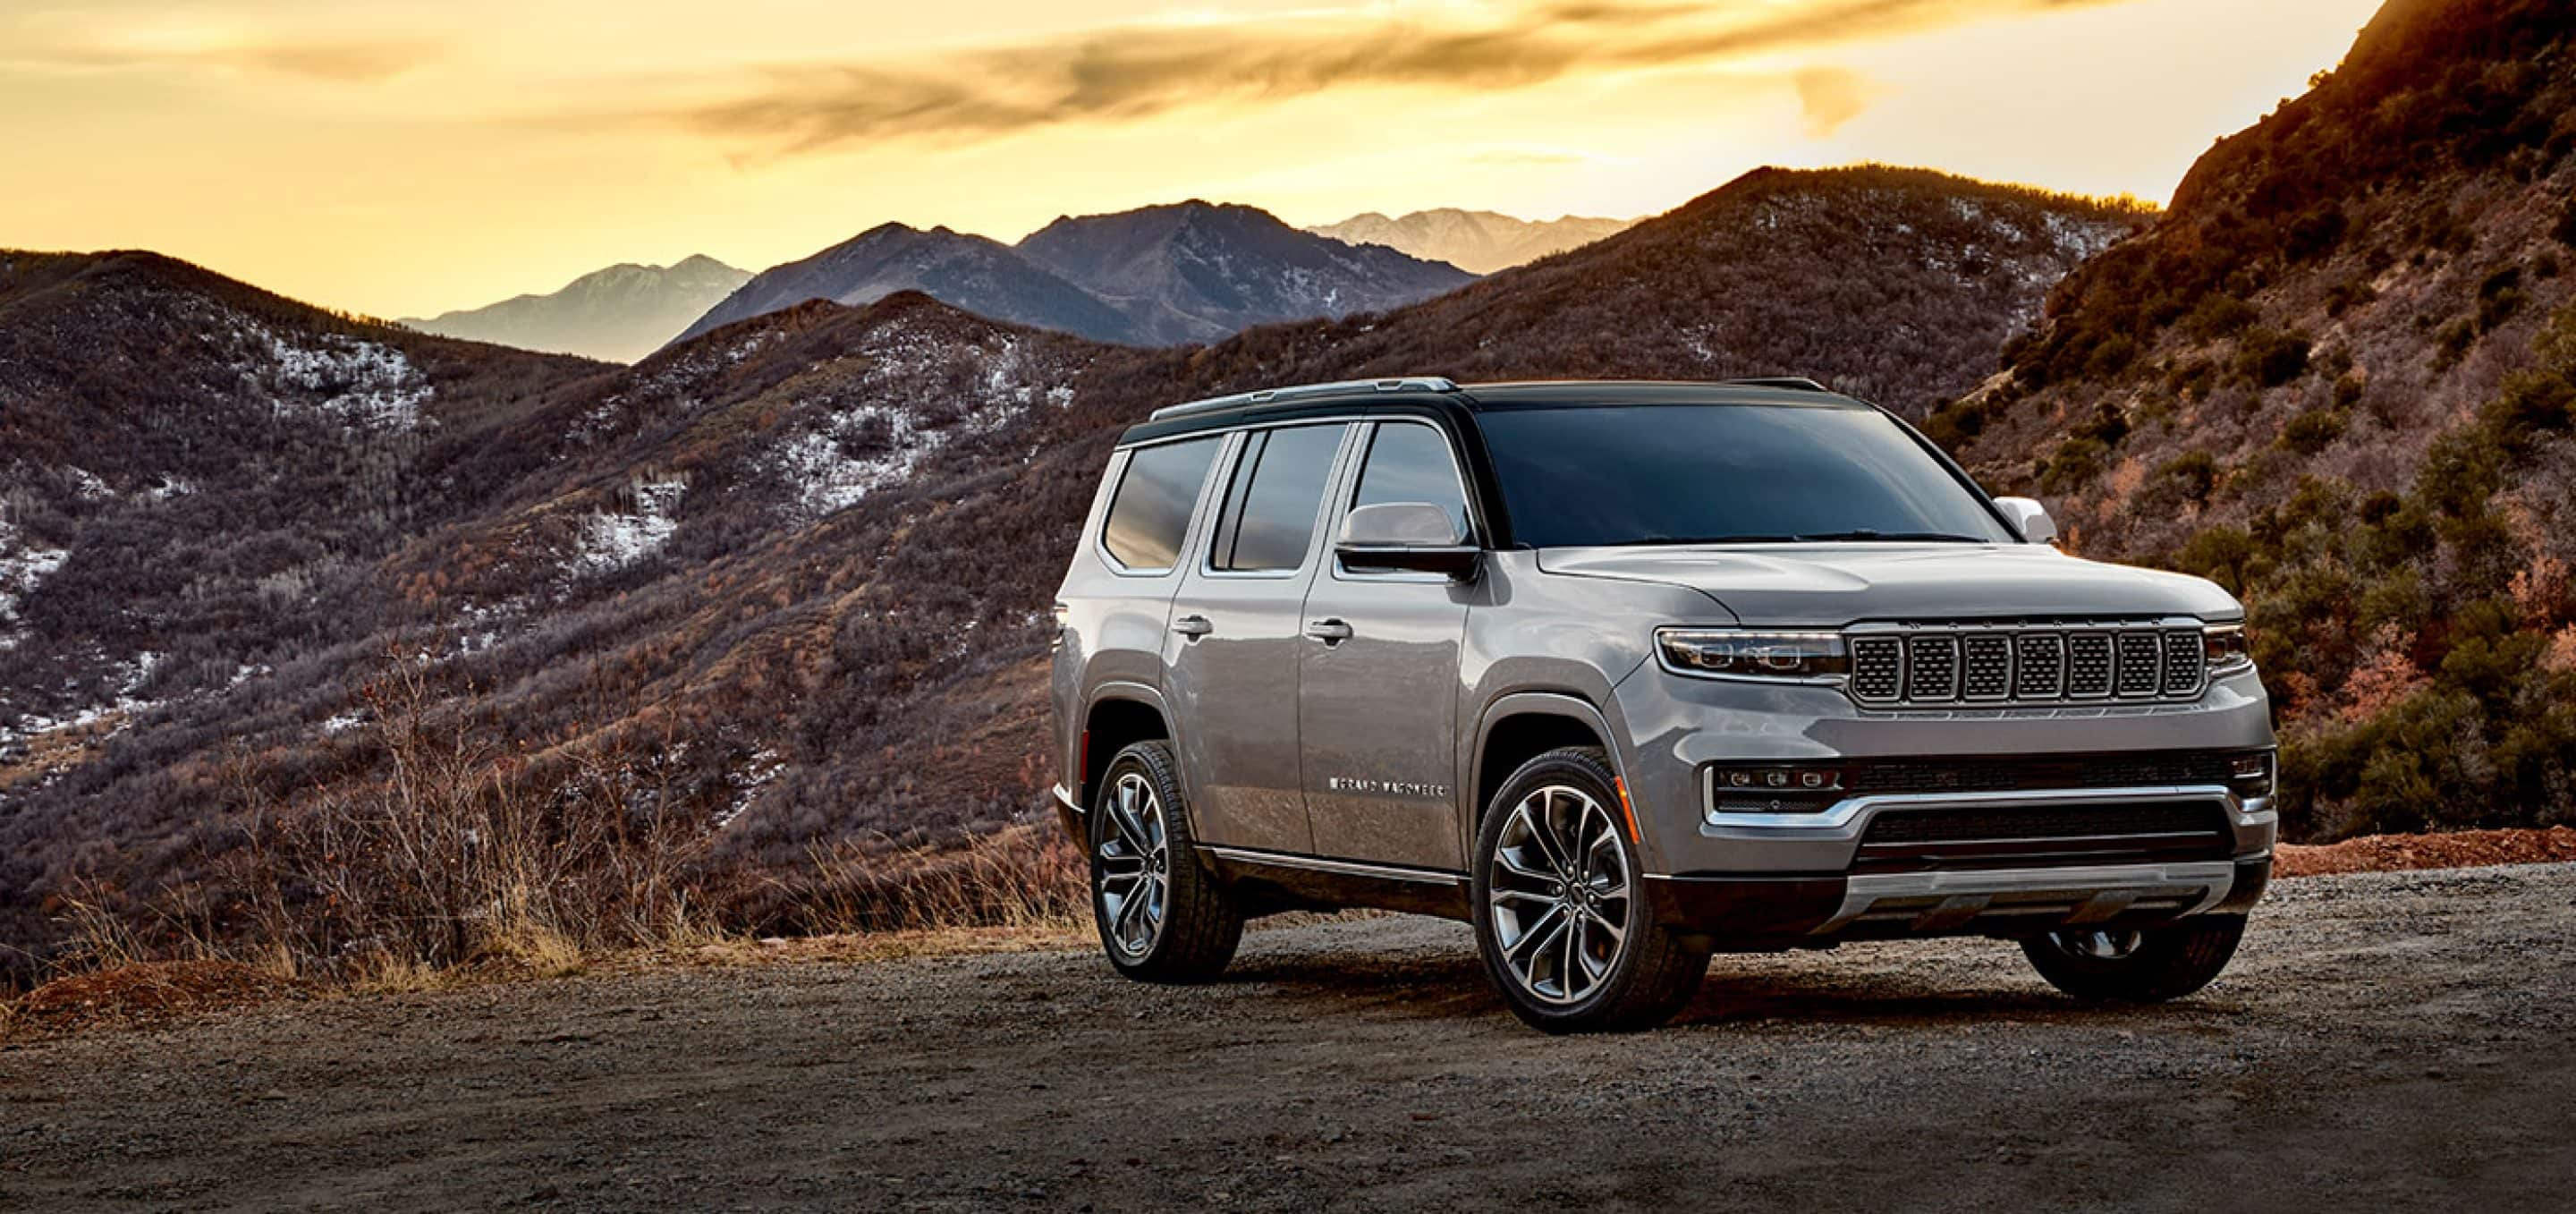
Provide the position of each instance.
(1278, 491)
(1151, 513)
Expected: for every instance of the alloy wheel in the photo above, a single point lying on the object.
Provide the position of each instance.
(1560, 894)
(1135, 867)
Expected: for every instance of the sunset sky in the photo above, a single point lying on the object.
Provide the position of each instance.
(402, 157)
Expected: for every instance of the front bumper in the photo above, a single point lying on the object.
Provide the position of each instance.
(1823, 876)
(1770, 912)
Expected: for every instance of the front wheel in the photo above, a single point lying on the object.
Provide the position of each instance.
(2149, 965)
(1561, 916)
(1162, 915)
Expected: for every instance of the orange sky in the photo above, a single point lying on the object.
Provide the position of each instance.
(410, 156)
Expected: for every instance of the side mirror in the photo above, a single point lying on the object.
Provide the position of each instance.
(2029, 518)
(1413, 536)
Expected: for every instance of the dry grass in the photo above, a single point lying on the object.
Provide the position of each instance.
(1025, 877)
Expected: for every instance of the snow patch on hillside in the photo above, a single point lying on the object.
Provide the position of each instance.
(21, 568)
(358, 383)
(614, 541)
(131, 674)
(880, 441)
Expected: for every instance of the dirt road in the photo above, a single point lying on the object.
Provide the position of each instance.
(2385, 1041)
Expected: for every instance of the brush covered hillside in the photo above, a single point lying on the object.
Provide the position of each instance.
(619, 314)
(2337, 377)
(1480, 242)
(776, 596)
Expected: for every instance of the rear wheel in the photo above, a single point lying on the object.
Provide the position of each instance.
(1162, 915)
(2149, 965)
(1561, 916)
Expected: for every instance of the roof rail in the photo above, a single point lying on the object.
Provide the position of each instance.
(1794, 383)
(1414, 383)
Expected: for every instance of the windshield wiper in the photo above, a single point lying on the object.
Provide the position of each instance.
(1866, 535)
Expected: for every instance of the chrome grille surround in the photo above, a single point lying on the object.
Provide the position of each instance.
(2017, 663)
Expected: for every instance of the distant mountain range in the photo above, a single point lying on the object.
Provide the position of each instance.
(1160, 276)
(1479, 242)
(619, 314)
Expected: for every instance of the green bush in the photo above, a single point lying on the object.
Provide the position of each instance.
(2310, 433)
(2271, 358)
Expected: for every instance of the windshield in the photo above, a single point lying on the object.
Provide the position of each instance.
(1678, 474)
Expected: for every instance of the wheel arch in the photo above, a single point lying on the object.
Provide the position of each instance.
(1522, 726)
(1117, 716)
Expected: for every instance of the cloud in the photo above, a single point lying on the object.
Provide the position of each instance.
(332, 61)
(1828, 97)
(1137, 72)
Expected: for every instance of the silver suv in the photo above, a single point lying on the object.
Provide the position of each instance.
(1625, 673)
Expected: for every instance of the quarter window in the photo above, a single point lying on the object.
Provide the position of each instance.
(1269, 519)
(1151, 512)
(1411, 463)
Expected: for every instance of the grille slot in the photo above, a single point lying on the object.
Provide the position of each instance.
(2185, 664)
(1878, 668)
(1931, 668)
(1985, 666)
(2088, 665)
(2041, 661)
(2024, 663)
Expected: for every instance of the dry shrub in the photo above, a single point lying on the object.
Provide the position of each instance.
(1021, 877)
(455, 848)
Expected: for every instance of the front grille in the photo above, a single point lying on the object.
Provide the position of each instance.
(2041, 663)
(2003, 836)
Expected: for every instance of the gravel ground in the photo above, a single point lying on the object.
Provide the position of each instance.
(2384, 1041)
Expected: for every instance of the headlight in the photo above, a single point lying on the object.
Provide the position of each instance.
(2226, 648)
(1754, 655)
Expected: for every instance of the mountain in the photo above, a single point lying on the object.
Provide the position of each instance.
(1161, 276)
(976, 273)
(1480, 242)
(2336, 376)
(619, 314)
(1199, 272)
(794, 570)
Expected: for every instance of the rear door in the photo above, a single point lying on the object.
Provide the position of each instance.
(1378, 684)
(1232, 652)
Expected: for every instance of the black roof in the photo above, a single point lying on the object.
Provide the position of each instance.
(1432, 396)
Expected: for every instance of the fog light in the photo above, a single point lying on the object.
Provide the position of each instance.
(1772, 789)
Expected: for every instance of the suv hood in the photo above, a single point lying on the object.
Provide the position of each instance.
(1831, 585)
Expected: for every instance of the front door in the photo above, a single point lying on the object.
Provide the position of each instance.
(1233, 647)
(1378, 692)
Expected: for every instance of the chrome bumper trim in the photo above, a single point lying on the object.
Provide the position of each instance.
(1846, 818)
(1064, 797)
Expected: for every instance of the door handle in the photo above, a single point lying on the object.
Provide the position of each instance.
(1330, 632)
(1193, 626)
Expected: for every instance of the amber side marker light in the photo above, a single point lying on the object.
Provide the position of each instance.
(1627, 809)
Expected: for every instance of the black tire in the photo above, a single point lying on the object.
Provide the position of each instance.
(1199, 925)
(1651, 974)
(2149, 966)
